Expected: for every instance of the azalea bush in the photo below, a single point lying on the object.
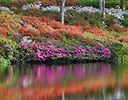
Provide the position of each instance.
(8, 49)
(15, 3)
(47, 3)
(4, 62)
(117, 28)
(52, 49)
(114, 12)
(71, 50)
(119, 50)
(73, 15)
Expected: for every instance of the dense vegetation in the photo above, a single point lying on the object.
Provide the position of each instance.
(93, 3)
(30, 34)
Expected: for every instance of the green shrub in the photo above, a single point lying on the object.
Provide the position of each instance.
(108, 4)
(7, 48)
(125, 22)
(16, 3)
(3, 61)
(119, 49)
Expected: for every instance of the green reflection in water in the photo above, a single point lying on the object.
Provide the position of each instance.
(4, 72)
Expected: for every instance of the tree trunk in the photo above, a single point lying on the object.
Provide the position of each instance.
(103, 8)
(100, 5)
(122, 4)
(62, 5)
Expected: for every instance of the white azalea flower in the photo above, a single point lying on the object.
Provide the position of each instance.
(4, 8)
(26, 39)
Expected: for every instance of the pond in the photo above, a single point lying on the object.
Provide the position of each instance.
(86, 81)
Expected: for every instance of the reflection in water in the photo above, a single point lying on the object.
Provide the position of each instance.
(70, 82)
(119, 94)
(26, 81)
(9, 78)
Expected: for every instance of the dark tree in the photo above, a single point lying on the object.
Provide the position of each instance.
(122, 4)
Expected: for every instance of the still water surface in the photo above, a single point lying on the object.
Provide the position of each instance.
(91, 81)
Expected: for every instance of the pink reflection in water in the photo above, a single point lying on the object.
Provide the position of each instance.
(41, 79)
(9, 78)
(53, 74)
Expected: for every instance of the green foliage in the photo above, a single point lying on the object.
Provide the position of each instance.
(125, 58)
(125, 22)
(7, 48)
(108, 4)
(126, 5)
(98, 39)
(119, 49)
(5, 3)
(109, 20)
(24, 52)
(4, 62)
(17, 3)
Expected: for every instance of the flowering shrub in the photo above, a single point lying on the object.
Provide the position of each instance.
(97, 32)
(4, 8)
(69, 3)
(55, 24)
(117, 22)
(84, 29)
(51, 49)
(47, 3)
(123, 39)
(8, 48)
(117, 29)
(119, 49)
(114, 12)
(90, 18)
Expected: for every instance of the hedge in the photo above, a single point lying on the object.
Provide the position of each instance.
(108, 4)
